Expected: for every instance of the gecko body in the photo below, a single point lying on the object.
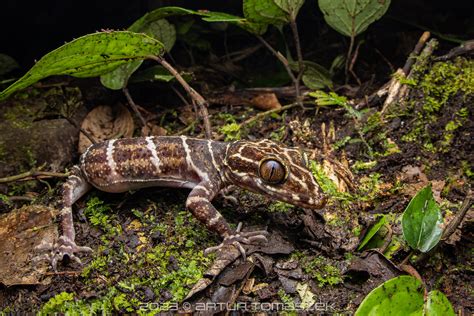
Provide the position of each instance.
(204, 166)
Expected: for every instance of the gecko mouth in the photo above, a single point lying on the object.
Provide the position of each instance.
(296, 199)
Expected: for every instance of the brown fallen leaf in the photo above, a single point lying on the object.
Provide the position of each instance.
(265, 101)
(106, 122)
(21, 230)
(153, 130)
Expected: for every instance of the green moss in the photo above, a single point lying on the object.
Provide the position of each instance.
(168, 267)
(326, 184)
(444, 80)
(289, 303)
(467, 169)
(20, 116)
(98, 213)
(324, 273)
(439, 84)
(57, 303)
(280, 207)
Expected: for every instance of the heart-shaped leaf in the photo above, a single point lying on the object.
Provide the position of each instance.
(292, 7)
(421, 221)
(352, 17)
(89, 56)
(400, 296)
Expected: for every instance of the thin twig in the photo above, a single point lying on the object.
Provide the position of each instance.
(262, 115)
(353, 60)
(200, 101)
(454, 223)
(133, 105)
(416, 51)
(35, 173)
(186, 129)
(83, 131)
(385, 59)
(285, 64)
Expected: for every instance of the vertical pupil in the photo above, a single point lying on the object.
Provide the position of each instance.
(272, 171)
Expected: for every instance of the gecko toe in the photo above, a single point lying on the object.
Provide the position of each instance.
(55, 252)
(239, 238)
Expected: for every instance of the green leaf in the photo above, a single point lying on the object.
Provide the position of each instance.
(421, 221)
(314, 76)
(402, 296)
(158, 14)
(118, 78)
(372, 231)
(213, 16)
(352, 17)
(89, 56)
(251, 27)
(438, 305)
(161, 30)
(157, 72)
(265, 11)
(292, 7)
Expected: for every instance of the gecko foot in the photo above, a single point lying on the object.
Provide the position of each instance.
(57, 251)
(239, 238)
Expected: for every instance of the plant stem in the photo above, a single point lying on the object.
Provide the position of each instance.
(285, 64)
(133, 105)
(195, 96)
(294, 29)
(348, 57)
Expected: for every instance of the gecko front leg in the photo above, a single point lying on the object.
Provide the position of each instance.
(199, 204)
(75, 187)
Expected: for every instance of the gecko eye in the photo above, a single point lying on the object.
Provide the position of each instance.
(272, 171)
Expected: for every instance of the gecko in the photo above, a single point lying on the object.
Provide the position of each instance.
(206, 167)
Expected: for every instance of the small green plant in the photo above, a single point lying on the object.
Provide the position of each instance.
(422, 221)
(98, 213)
(352, 17)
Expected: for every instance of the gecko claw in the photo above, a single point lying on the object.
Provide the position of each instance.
(239, 238)
(57, 251)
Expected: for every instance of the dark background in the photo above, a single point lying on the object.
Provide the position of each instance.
(30, 29)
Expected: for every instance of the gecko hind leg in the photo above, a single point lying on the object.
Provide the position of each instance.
(74, 188)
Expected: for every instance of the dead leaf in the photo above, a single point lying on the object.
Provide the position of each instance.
(438, 186)
(21, 231)
(106, 122)
(153, 130)
(186, 115)
(265, 101)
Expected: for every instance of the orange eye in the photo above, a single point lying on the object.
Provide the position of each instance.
(272, 171)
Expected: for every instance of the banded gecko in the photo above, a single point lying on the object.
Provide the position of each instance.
(204, 166)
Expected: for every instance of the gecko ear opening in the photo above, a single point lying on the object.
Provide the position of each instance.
(272, 171)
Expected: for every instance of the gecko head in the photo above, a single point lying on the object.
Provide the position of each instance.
(269, 168)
